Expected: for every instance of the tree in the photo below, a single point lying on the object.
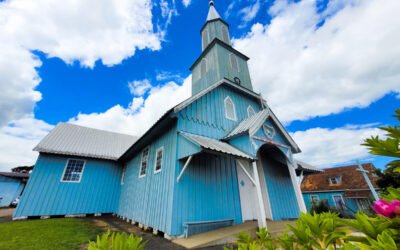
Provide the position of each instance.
(390, 146)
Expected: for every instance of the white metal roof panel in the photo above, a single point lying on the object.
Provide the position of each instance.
(69, 139)
(250, 124)
(215, 145)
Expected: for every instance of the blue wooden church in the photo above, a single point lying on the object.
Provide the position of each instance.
(220, 157)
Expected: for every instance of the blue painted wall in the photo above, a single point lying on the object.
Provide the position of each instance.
(351, 203)
(207, 191)
(280, 190)
(148, 199)
(10, 189)
(45, 194)
(206, 116)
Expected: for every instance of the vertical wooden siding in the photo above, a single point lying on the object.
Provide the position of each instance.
(207, 191)
(10, 189)
(280, 189)
(97, 192)
(148, 200)
(206, 116)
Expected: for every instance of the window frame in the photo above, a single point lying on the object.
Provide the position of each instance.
(201, 67)
(155, 160)
(228, 98)
(232, 55)
(141, 162)
(341, 198)
(312, 197)
(250, 108)
(338, 180)
(202, 38)
(65, 169)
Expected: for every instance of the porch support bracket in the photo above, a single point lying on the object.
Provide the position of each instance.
(184, 168)
(246, 172)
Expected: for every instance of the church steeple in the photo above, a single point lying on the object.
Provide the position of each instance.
(218, 60)
(212, 12)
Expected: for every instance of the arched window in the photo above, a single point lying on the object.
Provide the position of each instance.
(230, 111)
(203, 67)
(250, 111)
(205, 38)
(225, 34)
(234, 62)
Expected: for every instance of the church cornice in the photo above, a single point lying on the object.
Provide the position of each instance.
(223, 44)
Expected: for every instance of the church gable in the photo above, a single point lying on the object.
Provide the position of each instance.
(269, 131)
(211, 114)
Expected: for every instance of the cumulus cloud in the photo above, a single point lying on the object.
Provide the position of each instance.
(309, 64)
(17, 141)
(140, 113)
(322, 146)
(249, 13)
(138, 88)
(83, 31)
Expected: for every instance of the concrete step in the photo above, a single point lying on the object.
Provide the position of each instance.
(220, 236)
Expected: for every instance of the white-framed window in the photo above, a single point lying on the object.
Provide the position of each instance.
(123, 175)
(144, 161)
(73, 170)
(338, 199)
(335, 180)
(314, 198)
(203, 67)
(250, 111)
(225, 34)
(205, 39)
(159, 160)
(230, 110)
(234, 62)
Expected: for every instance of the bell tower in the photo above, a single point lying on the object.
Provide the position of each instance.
(218, 60)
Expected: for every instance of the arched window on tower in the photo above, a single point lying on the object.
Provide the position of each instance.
(234, 62)
(225, 34)
(203, 67)
(250, 111)
(230, 111)
(204, 37)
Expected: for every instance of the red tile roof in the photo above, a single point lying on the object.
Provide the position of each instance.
(351, 179)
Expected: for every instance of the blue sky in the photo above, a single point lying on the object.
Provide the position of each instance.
(326, 77)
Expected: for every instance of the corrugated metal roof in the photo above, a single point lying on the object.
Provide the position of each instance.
(309, 168)
(15, 174)
(251, 124)
(215, 145)
(74, 140)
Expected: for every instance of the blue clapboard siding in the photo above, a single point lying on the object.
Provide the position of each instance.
(280, 190)
(207, 191)
(187, 148)
(10, 189)
(351, 203)
(148, 199)
(98, 191)
(206, 116)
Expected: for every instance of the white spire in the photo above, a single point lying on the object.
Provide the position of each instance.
(212, 13)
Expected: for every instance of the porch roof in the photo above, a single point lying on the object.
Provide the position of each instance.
(251, 124)
(206, 143)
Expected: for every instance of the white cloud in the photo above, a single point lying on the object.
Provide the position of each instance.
(322, 146)
(186, 3)
(17, 141)
(140, 114)
(305, 71)
(83, 31)
(249, 13)
(138, 88)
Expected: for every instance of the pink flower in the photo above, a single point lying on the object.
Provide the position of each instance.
(396, 207)
(383, 208)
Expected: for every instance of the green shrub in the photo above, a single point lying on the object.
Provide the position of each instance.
(321, 206)
(117, 241)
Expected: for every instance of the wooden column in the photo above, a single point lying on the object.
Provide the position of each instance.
(262, 220)
(296, 186)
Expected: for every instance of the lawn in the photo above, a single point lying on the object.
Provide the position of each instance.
(63, 233)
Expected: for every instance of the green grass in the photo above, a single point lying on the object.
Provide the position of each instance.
(63, 233)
